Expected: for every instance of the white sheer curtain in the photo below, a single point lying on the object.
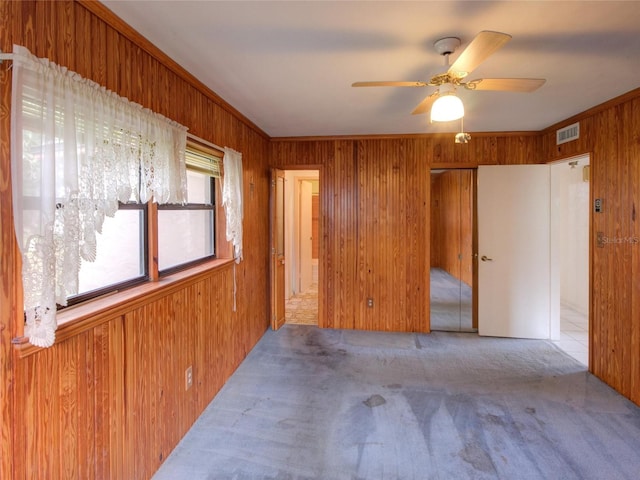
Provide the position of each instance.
(77, 150)
(232, 199)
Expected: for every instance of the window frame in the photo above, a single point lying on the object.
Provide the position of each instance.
(193, 207)
(132, 282)
(150, 221)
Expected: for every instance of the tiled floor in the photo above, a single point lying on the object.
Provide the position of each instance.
(302, 309)
(574, 334)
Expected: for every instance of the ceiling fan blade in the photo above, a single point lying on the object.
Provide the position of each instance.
(481, 47)
(425, 105)
(506, 84)
(389, 84)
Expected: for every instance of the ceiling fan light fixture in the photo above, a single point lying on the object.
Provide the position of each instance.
(446, 108)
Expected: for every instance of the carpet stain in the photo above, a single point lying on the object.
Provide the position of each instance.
(375, 401)
(532, 411)
(495, 419)
(477, 458)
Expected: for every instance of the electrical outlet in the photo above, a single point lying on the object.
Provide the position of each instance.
(188, 377)
(370, 302)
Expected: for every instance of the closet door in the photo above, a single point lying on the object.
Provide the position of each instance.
(452, 250)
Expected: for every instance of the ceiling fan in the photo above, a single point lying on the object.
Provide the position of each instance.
(481, 47)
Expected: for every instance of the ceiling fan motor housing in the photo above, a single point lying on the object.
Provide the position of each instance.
(447, 45)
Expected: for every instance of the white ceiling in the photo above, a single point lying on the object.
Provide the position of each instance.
(288, 66)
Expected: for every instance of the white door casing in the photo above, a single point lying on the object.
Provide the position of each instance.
(305, 240)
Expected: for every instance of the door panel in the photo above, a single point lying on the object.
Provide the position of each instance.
(277, 249)
(514, 251)
(452, 247)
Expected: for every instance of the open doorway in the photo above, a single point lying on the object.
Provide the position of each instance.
(570, 258)
(302, 194)
(452, 248)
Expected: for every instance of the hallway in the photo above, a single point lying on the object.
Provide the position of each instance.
(574, 334)
(302, 308)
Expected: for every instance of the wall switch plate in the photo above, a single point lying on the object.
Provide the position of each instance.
(188, 378)
(597, 205)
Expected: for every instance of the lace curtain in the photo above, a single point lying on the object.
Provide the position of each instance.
(232, 199)
(77, 150)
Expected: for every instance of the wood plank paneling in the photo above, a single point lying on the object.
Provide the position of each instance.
(452, 223)
(375, 200)
(632, 142)
(610, 133)
(58, 390)
(9, 256)
(159, 348)
(83, 408)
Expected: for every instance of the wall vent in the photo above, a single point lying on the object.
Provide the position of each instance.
(567, 134)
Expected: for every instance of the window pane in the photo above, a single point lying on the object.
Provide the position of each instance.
(198, 188)
(120, 252)
(184, 236)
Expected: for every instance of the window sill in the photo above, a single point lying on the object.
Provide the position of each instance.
(79, 318)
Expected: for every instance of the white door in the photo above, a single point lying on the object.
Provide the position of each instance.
(306, 266)
(514, 251)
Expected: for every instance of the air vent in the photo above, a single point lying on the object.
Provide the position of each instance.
(567, 134)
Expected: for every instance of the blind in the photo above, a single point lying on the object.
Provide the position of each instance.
(203, 162)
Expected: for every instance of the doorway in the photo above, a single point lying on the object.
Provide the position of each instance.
(452, 249)
(570, 259)
(563, 317)
(302, 195)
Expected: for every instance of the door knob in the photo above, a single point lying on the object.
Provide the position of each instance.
(484, 258)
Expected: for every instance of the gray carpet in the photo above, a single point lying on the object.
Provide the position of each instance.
(309, 403)
(450, 304)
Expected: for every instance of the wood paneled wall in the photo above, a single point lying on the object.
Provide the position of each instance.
(375, 201)
(109, 402)
(452, 223)
(84, 408)
(610, 133)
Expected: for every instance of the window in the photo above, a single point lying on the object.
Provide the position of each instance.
(78, 152)
(186, 233)
(121, 261)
